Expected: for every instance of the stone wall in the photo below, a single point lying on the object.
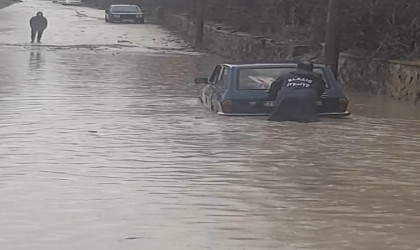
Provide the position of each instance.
(399, 79)
(403, 80)
(386, 27)
(359, 72)
(296, 19)
(240, 46)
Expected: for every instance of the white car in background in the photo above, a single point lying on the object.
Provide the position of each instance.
(70, 2)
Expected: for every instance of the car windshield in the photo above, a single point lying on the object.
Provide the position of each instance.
(126, 9)
(262, 78)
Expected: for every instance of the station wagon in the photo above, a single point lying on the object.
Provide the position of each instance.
(242, 89)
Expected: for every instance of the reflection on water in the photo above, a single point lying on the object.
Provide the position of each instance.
(383, 107)
(35, 60)
(113, 151)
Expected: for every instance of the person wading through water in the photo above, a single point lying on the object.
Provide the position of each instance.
(38, 24)
(297, 94)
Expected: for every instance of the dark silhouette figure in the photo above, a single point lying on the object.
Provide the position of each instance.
(38, 24)
(296, 94)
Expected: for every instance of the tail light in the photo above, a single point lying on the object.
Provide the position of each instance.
(343, 103)
(227, 106)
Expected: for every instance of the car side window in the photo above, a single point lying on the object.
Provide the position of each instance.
(216, 73)
(223, 79)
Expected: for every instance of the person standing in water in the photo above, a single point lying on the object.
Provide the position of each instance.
(38, 24)
(297, 94)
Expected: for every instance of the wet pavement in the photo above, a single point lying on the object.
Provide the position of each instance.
(107, 148)
(76, 27)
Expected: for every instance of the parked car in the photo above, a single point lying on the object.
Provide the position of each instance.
(54, 1)
(61, 1)
(242, 89)
(122, 13)
(72, 2)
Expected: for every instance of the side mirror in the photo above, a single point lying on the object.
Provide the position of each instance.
(201, 81)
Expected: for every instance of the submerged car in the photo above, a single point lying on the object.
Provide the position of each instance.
(123, 13)
(242, 89)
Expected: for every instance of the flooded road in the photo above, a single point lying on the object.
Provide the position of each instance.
(76, 27)
(109, 149)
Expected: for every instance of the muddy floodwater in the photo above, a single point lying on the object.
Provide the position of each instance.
(109, 149)
(112, 151)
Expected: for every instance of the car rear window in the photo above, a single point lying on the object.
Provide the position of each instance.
(126, 9)
(262, 78)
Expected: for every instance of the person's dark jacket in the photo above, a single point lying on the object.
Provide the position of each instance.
(38, 23)
(296, 96)
(314, 80)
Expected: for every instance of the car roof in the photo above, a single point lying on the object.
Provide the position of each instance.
(266, 65)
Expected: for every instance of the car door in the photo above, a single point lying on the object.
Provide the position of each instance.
(220, 87)
(208, 91)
